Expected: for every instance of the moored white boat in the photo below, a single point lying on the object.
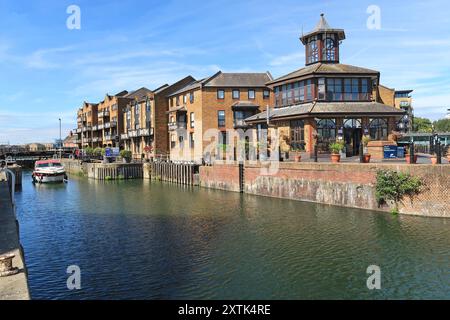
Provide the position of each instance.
(49, 171)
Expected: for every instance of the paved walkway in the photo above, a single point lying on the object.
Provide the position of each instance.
(13, 287)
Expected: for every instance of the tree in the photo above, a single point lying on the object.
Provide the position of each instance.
(422, 125)
(442, 125)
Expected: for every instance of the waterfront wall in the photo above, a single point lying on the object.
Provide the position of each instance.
(349, 185)
(100, 171)
(12, 287)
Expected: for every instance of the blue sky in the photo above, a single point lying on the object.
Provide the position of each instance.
(47, 70)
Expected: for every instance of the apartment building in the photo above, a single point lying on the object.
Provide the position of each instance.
(206, 112)
(86, 120)
(145, 131)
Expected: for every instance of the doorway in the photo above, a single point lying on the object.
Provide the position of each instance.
(352, 136)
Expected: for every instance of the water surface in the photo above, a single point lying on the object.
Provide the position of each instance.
(147, 240)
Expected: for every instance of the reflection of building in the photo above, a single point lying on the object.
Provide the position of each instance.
(403, 100)
(327, 99)
(217, 104)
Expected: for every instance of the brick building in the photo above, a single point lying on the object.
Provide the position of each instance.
(145, 131)
(206, 112)
(326, 99)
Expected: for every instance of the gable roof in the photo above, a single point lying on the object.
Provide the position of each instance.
(139, 94)
(249, 80)
(323, 27)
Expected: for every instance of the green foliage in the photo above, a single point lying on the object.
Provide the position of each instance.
(99, 151)
(442, 125)
(89, 151)
(121, 177)
(126, 154)
(422, 125)
(366, 140)
(108, 178)
(394, 186)
(336, 147)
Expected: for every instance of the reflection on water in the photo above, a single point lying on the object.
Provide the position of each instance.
(145, 240)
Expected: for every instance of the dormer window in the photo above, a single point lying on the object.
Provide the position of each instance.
(312, 50)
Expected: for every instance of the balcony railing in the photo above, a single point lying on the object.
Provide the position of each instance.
(94, 128)
(113, 124)
(107, 125)
(108, 137)
(177, 125)
(240, 123)
(103, 113)
(87, 128)
(133, 133)
(145, 132)
(101, 126)
(95, 139)
(124, 136)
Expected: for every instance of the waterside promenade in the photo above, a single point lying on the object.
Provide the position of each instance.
(14, 287)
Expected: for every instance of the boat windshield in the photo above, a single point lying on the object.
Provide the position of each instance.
(48, 165)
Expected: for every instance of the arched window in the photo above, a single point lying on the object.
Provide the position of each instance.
(313, 50)
(378, 129)
(326, 130)
(297, 135)
(329, 52)
(352, 123)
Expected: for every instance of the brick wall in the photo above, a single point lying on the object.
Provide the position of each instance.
(349, 185)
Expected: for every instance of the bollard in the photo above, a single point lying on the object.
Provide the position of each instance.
(315, 154)
(411, 153)
(6, 265)
(438, 152)
(361, 153)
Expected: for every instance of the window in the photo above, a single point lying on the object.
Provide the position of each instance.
(278, 100)
(181, 141)
(378, 129)
(301, 91)
(266, 94)
(184, 99)
(297, 128)
(191, 97)
(191, 140)
(236, 94)
(114, 107)
(284, 95)
(309, 90)
(178, 100)
(326, 130)
(172, 141)
(251, 94)
(148, 113)
(364, 89)
(334, 89)
(192, 119)
(329, 53)
(240, 116)
(312, 50)
(351, 87)
(221, 118)
(220, 94)
(290, 94)
(321, 89)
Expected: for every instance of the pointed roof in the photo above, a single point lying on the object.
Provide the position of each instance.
(323, 27)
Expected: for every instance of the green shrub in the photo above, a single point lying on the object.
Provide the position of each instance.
(126, 154)
(336, 147)
(108, 178)
(121, 177)
(394, 186)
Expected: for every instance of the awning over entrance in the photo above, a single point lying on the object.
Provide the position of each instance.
(177, 109)
(244, 105)
(328, 109)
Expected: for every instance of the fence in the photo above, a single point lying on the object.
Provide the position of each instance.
(179, 173)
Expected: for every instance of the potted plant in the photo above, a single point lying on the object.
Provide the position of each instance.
(366, 154)
(126, 156)
(336, 148)
(433, 159)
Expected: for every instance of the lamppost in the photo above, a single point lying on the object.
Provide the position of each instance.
(60, 140)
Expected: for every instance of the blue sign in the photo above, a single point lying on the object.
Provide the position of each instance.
(390, 152)
(108, 152)
(115, 152)
(400, 152)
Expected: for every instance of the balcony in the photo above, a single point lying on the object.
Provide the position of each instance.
(113, 124)
(87, 128)
(78, 130)
(177, 125)
(96, 139)
(107, 125)
(94, 128)
(103, 114)
(240, 124)
(108, 138)
(145, 132)
(101, 126)
(124, 136)
(133, 133)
